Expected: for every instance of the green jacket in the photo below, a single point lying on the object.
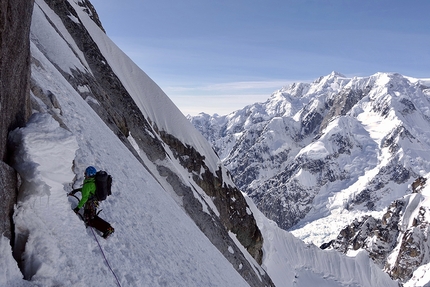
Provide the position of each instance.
(88, 189)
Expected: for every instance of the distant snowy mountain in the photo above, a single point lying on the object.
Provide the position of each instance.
(316, 156)
(179, 218)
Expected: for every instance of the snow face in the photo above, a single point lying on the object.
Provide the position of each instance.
(155, 243)
(10, 273)
(58, 50)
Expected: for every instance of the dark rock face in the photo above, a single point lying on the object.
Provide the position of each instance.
(8, 185)
(413, 252)
(342, 104)
(377, 236)
(386, 237)
(93, 13)
(393, 172)
(15, 20)
(229, 201)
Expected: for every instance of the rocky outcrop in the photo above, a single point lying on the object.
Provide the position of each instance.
(234, 217)
(15, 19)
(397, 242)
(9, 188)
(377, 236)
(235, 214)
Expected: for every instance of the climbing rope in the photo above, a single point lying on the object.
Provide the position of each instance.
(104, 256)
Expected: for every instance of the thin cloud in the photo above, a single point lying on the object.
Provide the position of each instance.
(222, 98)
(232, 86)
(217, 104)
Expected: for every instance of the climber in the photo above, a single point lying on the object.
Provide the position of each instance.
(90, 203)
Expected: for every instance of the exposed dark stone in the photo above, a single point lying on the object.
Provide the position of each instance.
(234, 211)
(8, 182)
(116, 107)
(311, 122)
(15, 20)
(342, 103)
(380, 236)
(412, 253)
(92, 13)
(285, 206)
(213, 228)
(392, 172)
(394, 136)
(418, 184)
(409, 106)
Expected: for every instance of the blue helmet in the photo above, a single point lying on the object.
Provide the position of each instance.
(90, 171)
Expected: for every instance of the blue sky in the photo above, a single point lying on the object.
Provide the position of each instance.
(219, 56)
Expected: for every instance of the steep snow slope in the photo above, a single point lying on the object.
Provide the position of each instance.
(126, 100)
(147, 95)
(155, 242)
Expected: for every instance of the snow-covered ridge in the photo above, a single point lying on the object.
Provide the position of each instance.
(160, 135)
(194, 174)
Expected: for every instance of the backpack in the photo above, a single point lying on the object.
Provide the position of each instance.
(103, 183)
